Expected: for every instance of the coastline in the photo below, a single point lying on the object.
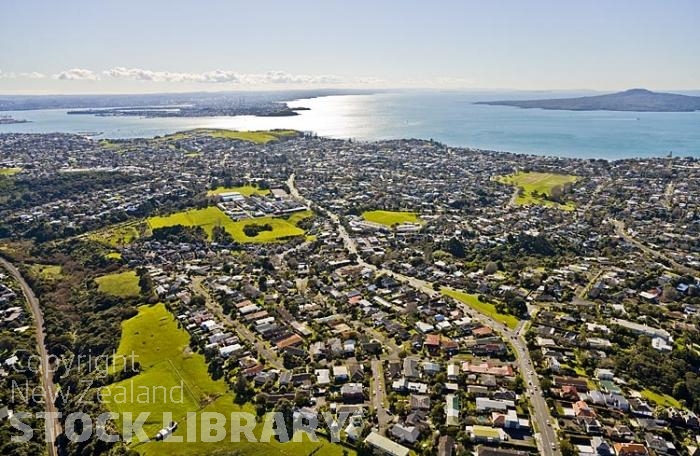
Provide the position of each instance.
(448, 117)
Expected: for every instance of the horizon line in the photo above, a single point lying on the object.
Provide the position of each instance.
(364, 90)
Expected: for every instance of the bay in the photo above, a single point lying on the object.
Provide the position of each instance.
(450, 117)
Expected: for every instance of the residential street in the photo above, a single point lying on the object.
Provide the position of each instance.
(546, 437)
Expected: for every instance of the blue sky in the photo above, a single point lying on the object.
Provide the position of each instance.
(154, 45)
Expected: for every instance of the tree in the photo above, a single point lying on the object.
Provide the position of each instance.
(669, 294)
(456, 248)
(491, 267)
(286, 408)
(242, 388)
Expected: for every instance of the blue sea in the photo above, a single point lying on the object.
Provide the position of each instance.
(450, 117)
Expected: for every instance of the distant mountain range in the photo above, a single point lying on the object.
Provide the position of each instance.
(630, 100)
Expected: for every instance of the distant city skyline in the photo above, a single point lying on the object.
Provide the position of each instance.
(176, 46)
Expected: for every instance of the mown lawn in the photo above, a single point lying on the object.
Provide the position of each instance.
(9, 171)
(123, 284)
(542, 183)
(663, 400)
(245, 190)
(391, 218)
(485, 308)
(206, 218)
(210, 217)
(162, 350)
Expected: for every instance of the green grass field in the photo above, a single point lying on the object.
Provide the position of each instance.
(9, 171)
(487, 309)
(541, 183)
(162, 349)
(123, 284)
(391, 218)
(46, 271)
(663, 400)
(118, 235)
(246, 190)
(257, 137)
(113, 256)
(212, 216)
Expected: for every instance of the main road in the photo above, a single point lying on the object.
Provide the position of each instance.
(53, 426)
(547, 439)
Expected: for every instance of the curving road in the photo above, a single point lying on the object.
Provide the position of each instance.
(546, 437)
(621, 231)
(53, 428)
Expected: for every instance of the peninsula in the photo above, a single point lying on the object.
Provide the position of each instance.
(641, 100)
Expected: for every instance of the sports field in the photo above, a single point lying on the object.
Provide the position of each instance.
(391, 218)
(124, 284)
(542, 183)
(166, 361)
(257, 137)
(245, 190)
(210, 217)
(485, 308)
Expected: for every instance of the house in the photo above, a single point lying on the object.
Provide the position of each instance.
(590, 424)
(340, 374)
(431, 368)
(419, 402)
(352, 392)
(601, 447)
(569, 393)
(323, 376)
(630, 449)
(385, 446)
(403, 433)
(452, 372)
(659, 444)
(618, 401)
(604, 374)
(452, 410)
(623, 432)
(508, 420)
(640, 407)
(580, 383)
(356, 371)
(432, 343)
(477, 390)
(484, 404)
(581, 409)
(410, 368)
(482, 450)
(486, 434)
(446, 445)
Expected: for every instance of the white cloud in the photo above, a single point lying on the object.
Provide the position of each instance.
(221, 76)
(139, 74)
(276, 77)
(29, 75)
(76, 74)
(33, 75)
